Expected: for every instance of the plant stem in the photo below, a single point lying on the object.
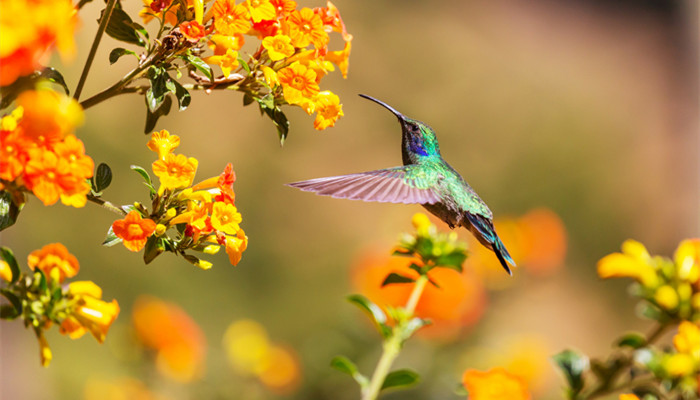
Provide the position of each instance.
(392, 346)
(106, 15)
(106, 204)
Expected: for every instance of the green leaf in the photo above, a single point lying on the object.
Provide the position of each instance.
(182, 95)
(141, 171)
(103, 177)
(452, 260)
(370, 308)
(11, 261)
(81, 3)
(344, 365)
(200, 65)
(413, 325)
(243, 64)
(8, 210)
(111, 239)
(13, 299)
(396, 278)
(247, 99)
(117, 53)
(632, 339)
(400, 378)
(573, 365)
(278, 118)
(154, 247)
(8, 312)
(152, 117)
(155, 95)
(120, 27)
(52, 75)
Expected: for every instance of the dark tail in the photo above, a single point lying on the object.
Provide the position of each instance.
(484, 231)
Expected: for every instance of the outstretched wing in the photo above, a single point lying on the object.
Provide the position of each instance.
(407, 184)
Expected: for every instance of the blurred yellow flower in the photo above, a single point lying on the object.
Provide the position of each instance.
(679, 364)
(48, 116)
(230, 18)
(90, 313)
(633, 262)
(219, 44)
(54, 261)
(421, 223)
(163, 143)
(687, 260)
(281, 371)
(44, 350)
(687, 340)
(5, 271)
(119, 389)
(628, 397)
(495, 384)
(667, 297)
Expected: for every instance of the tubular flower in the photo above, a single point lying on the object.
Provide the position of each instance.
(220, 43)
(634, 262)
(90, 313)
(163, 143)
(230, 18)
(175, 171)
(331, 19)
(304, 27)
(328, 110)
(278, 47)
(54, 261)
(495, 384)
(260, 10)
(193, 30)
(30, 29)
(134, 230)
(341, 58)
(270, 76)
(225, 218)
(298, 83)
(227, 61)
(235, 246)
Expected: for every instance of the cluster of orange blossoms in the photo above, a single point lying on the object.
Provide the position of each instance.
(77, 307)
(39, 153)
(207, 210)
(293, 56)
(29, 29)
(178, 341)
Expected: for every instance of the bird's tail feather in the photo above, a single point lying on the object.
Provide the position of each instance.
(485, 232)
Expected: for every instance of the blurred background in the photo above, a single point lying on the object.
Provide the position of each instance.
(576, 121)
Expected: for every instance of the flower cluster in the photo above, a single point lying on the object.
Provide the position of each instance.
(30, 28)
(203, 217)
(39, 153)
(292, 58)
(41, 298)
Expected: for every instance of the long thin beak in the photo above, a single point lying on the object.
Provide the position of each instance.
(388, 107)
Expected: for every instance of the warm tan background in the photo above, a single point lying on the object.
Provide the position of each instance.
(583, 107)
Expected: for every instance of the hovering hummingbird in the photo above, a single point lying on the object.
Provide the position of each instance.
(425, 179)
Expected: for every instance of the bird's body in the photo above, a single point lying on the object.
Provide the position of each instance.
(426, 179)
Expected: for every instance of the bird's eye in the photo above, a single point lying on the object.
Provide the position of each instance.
(414, 128)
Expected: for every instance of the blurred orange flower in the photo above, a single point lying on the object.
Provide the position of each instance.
(90, 313)
(134, 230)
(5, 271)
(459, 300)
(178, 341)
(48, 116)
(628, 397)
(495, 384)
(54, 261)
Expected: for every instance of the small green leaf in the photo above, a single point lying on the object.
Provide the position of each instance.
(452, 260)
(243, 64)
(247, 99)
(155, 95)
(400, 378)
(573, 365)
(103, 177)
(111, 239)
(117, 53)
(141, 171)
(632, 339)
(152, 117)
(413, 325)
(344, 365)
(9, 257)
(370, 308)
(8, 210)
(120, 27)
(13, 299)
(278, 118)
(52, 75)
(182, 95)
(8, 312)
(154, 247)
(200, 65)
(396, 278)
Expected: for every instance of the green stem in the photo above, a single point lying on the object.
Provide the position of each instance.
(93, 50)
(392, 346)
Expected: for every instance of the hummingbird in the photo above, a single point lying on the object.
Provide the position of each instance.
(425, 179)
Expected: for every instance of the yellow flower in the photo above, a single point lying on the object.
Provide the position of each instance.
(306, 27)
(220, 43)
(235, 246)
(679, 364)
(495, 384)
(298, 83)
(225, 218)
(54, 261)
(666, 297)
(175, 171)
(90, 312)
(328, 109)
(270, 76)
(341, 58)
(163, 143)
(278, 47)
(421, 222)
(628, 397)
(687, 260)
(44, 349)
(246, 344)
(5, 271)
(687, 340)
(633, 262)
(227, 61)
(230, 18)
(260, 10)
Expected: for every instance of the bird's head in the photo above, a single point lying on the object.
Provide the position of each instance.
(418, 138)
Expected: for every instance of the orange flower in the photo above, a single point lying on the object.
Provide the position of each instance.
(154, 9)
(134, 230)
(304, 27)
(459, 301)
(14, 148)
(495, 384)
(229, 18)
(298, 83)
(219, 44)
(341, 58)
(90, 313)
(175, 171)
(49, 176)
(328, 109)
(193, 30)
(543, 237)
(280, 371)
(178, 341)
(278, 47)
(163, 143)
(628, 396)
(48, 116)
(225, 218)
(29, 29)
(54, 261)
(260, 10)
(225, 185)
(331, 18)
(235, 246)
(284, 7)
(73, 150)
(227, 61)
